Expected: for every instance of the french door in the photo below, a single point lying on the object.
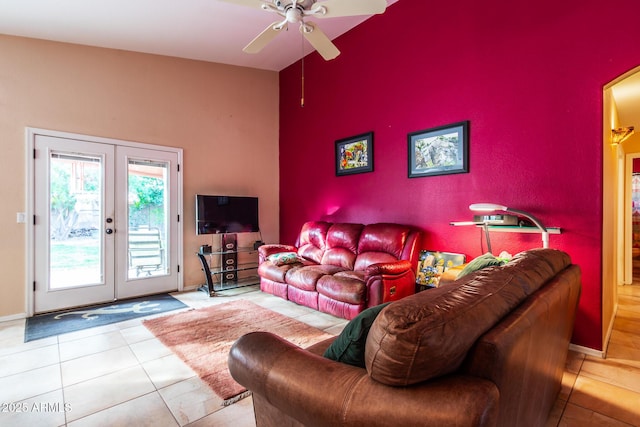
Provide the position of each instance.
(106, 221)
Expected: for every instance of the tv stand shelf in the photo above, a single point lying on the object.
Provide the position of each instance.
(228, 268)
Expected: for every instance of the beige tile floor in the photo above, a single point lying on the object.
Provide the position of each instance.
(121, 375)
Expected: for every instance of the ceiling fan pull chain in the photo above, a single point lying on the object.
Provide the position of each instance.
(302, 80)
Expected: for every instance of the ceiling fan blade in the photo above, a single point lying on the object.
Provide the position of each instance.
(335, 8)
(264, 38)
(257, 4)
(319, 41)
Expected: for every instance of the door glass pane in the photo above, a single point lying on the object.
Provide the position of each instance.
(75, 216)
(147, 184)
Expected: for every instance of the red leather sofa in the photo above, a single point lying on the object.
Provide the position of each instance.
(342, 268)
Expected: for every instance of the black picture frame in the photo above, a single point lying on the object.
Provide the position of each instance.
(441, 150)
(354, 154)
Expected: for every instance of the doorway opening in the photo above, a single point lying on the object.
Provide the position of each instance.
(621, 143)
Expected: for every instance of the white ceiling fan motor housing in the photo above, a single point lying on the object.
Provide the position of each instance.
(293, 15)
(284, 4)
(296, 12)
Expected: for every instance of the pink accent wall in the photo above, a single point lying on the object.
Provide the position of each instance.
(528, 76)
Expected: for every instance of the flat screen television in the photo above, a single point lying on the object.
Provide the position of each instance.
(226, 214)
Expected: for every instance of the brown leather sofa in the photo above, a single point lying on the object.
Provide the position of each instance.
(486, 350)
(342, 268)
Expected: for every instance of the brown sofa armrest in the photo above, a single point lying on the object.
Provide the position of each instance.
(265, 250)
(318, 392)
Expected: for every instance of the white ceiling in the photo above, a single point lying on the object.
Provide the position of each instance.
(207, 30)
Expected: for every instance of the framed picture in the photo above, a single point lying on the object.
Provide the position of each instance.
(355, 154)
(439, 151)
(432, 264)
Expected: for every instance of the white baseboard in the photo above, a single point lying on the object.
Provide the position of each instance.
(602, 354)
(13, 317)
(588, 351)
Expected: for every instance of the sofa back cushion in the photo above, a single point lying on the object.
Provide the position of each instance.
(312, 240)
(428, 334)
(342, 244)
(381, 243)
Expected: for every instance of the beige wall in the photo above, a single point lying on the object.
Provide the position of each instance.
(224, 117)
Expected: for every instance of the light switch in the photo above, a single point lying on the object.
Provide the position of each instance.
(21, 217)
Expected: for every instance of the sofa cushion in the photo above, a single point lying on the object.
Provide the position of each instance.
(380, 243)
(349, 346)
(363, 261)
(311, 253)
(382, 237)
(339, 256)
(427, 335)
(306, 277)
(346, 286)
(277, 273)
(312, 240)
(342, 244)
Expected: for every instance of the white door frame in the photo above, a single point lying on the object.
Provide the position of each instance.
(30, 201)
(627, 264)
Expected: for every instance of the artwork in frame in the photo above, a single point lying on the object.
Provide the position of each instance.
(439, 151)
(432, 264)
(354, 154)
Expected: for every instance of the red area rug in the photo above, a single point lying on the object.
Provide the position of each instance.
(202, 338)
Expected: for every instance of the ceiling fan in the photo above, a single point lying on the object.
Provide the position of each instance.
(296, 12)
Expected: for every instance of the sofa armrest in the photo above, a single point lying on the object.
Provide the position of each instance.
(389, 281)
(265, 250)
(317, 391)
(387, 268)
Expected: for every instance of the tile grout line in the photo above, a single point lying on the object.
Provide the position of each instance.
(62, 390)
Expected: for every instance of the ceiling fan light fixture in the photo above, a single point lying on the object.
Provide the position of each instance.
(280, 25)
(318, 10)
(295, 11)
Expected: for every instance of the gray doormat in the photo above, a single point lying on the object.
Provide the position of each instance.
(62, 322)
